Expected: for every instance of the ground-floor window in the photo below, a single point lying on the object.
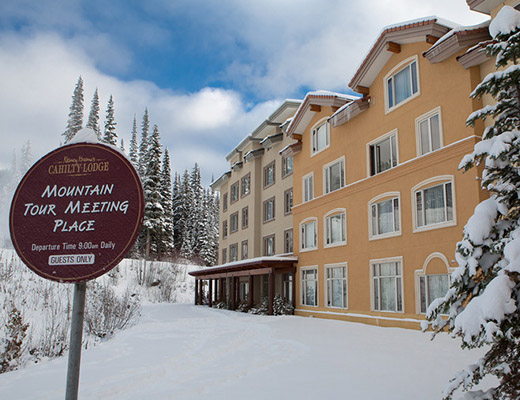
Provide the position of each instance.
(336, 286)
(244, 291)
(387, 285)
(310, 286)
(288, 287)
(432, 287)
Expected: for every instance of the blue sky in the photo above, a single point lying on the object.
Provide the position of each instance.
(208, 71)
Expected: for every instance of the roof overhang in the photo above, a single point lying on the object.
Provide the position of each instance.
(271, 140)
(484, 6)
(476, 55)
(222, 179)
(291, 149)
(349, 111)
(251, 155)
(428, 29)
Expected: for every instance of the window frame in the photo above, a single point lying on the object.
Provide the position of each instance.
(328, 303)
(234, 192)
(224, 229)
(233, 222)
(233, 248)
(303, 224)
(371, 152)
(429, 184)
(224, 256)
(285, 172)
(242, 185)
(314, 131)
(384, 197)
(288, 203)
(304, 280)
(307, 178)
(265, 208)
(244, 244)
(399, 285)
(327, 175)
(395, 71)
(265, 239)
(245, 221)
(272, 165)
(327, 231)
(224, 202)
(427, 116)
(423, 272)
(288, 239)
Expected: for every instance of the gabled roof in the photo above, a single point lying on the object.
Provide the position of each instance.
(484, 6)
(456, 40)
(425, 29)
(312, 103)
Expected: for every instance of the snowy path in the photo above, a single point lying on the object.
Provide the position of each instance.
(185, 352)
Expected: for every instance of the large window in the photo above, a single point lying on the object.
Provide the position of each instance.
(233, 252)
(269, 210)
(234, 192)
(269, 245)
(288, 241)
(233, 222)
(336, 286)
(334, 175)
(244, 249)
(402, 85)
(383, 154)
(434, 205)
(245, 217)
(335, 228)
(308, 187)
(432, 287)
(246, 185)
(288, 201)
(385, 218)
(287, 166)
(320, 137)
(309, 286)
(309, 235)
(269, 177)
(387, 285)
(429, 133)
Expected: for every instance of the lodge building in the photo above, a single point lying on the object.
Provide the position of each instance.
(377, 202)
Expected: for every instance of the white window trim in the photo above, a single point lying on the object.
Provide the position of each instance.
(316, 125)
(309, 175)
(306, 221)
(434, 181)
(329, 214)
(377, 199)
(418, 120)
(328, 165)
(383, 260)
(376, 141)
(394, 71)
(423, 272)
(335, 265)
(307, 268)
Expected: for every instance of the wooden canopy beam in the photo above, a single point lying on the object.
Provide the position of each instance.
(365, 91)
(315, 108)
(393, 47)
(431, 39)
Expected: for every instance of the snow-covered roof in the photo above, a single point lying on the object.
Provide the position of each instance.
(484, 6)
(252, 263)
(220, 180)
(506, 21)
(349, 111)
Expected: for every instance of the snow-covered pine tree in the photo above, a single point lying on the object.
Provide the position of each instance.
(153, 224)
(483, 299)
(75, 121)
(134, 148)
(143, 147)
(178, 212)
(209, 234)
(93, 117)
(185, 223)
(197, 214)
(110, 135)
(122, 146)
(166, 191)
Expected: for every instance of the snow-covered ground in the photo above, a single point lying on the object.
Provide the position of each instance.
(181, 351)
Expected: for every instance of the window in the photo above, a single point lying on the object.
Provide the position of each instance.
(429, 134)
(288, 201)
(224, 229)
(387, 285)
(234, 192)
(233, 252)
(385, 218)
(243, 290)
(334, 176)
(402, 85)
(434, 205)
(383, 154)
(269, 245)
(336, 286)
(224, 202)
(320, 138)
(287, 287)
(335, 229)
(224, 256)
(244, 250)
(233, 222)
(309, 235)
(245, 217)
(246, 185)
(308, 187)
(309, 287)
(269, 175)
(269, 210)
(432, 287)
(287, 166)
(288, 241)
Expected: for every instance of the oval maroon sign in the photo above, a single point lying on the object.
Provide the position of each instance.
(77, 212)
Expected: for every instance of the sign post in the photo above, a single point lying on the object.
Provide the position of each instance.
(74, 216)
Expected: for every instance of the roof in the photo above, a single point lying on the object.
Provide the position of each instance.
(252, 263)
(349, 111)
(423, 29)
(484, 6)
(220, 180)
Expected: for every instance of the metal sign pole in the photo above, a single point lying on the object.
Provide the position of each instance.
(76, 334)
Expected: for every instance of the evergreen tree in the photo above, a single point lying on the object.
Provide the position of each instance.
(185, 223)
(134, 149)
(166, 191)
(122, 146)
(93, 117)
(75, 121)
(143, 147)
(178, 212)
(197, 214)
(110, 136)
(209, 235)
(153, 224)
(484, 296)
